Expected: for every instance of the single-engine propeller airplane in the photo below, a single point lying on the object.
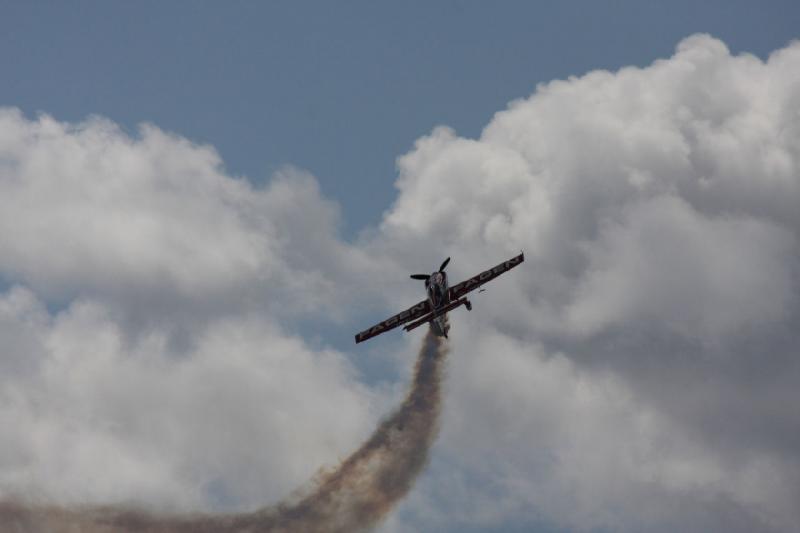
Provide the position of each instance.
(441, 300)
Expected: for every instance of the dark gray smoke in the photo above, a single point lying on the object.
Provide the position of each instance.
(355, 496)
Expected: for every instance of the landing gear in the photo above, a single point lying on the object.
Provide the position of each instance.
(468, 305)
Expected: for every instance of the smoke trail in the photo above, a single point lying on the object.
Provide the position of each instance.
(355, 496)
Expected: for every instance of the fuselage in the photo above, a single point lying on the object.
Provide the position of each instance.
(439, 297)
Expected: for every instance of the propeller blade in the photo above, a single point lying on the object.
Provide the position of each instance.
(420, 276)
(441, 268)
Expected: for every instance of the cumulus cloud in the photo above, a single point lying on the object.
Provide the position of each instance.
(654, 323)
(153, 221)
(245, 417)
(145, 356)
(666, 263)
(637, 373)
(531, 435)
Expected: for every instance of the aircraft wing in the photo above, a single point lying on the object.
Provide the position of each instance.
(412, 313)
(459, 290)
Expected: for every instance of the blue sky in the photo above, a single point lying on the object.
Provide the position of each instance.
(632, 375)
(338, 88)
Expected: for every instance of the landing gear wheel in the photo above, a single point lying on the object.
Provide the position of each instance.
(468, 304)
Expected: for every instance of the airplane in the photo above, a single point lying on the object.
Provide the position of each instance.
(441, 300)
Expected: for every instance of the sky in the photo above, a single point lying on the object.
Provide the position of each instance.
(338, 89)
(201, 204)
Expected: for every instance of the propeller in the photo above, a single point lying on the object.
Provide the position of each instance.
(426, 276)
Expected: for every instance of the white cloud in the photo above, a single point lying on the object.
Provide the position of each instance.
(554, 174)
(144, 354)
(154, 221)
(530, 435)
(665, 263)
(655, 319)
(244, 418)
